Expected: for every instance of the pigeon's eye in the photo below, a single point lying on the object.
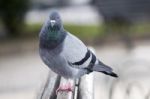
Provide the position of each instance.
(57, 17)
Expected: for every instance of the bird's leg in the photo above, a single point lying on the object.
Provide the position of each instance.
(67, 87)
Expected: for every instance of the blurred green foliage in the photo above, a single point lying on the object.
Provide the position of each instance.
(85, 32)
(12, 15)
(93, 32)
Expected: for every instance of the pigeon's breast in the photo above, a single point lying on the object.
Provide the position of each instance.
(57, 63)
(48, 56)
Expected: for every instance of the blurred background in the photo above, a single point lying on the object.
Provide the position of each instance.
(119, 30)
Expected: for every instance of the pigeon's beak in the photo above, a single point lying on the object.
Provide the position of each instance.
(52, 22)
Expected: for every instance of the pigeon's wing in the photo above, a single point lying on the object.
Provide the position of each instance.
(76, 53)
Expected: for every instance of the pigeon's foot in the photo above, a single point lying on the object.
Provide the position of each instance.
(67, 88)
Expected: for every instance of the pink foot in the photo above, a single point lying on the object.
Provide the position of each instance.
(67, 88)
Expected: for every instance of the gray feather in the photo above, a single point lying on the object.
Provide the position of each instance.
(100, 67)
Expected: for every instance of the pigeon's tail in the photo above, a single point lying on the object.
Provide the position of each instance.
(104, 69)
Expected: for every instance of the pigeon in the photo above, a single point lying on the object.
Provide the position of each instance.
(65, 54)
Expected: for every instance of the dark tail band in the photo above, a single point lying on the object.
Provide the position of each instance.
(111, 74)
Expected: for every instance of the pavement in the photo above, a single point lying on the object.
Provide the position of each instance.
(22, 73)
(21, 70)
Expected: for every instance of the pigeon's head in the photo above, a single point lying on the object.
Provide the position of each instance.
(55, 21)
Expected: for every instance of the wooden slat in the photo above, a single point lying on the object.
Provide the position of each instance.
(48, 90)
(86, 88)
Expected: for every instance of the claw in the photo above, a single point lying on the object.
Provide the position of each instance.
(67, 88)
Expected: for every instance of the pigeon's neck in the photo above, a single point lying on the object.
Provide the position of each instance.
(52, 39)
(53, 35)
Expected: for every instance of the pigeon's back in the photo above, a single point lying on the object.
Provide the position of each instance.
(74, 50)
